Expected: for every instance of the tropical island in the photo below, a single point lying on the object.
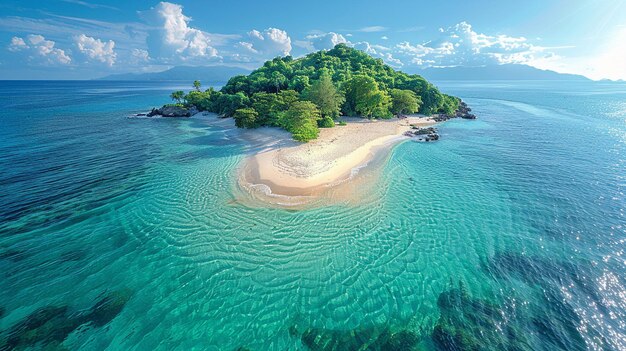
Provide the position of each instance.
(339, 106)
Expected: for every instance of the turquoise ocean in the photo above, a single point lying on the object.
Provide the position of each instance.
(126, 233)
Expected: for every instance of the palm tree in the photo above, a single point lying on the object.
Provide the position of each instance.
(177, 96)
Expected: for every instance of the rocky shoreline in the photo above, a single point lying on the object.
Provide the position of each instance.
(430, 133)
(422, 134)
(464, 112)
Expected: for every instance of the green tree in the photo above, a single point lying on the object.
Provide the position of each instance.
(238, 84)
(383, 104)
(301, 120)
(363, 97)
(299, 83)
(200, 99)
(278, 80)
(326, 122)
(404, 101)
(246, 118)
(177, 96)
(432, 100)
(324, 94)
(268, 105)
(368, 86)
(287, 97)
(227, 104)
(197, 85)
(450, 105)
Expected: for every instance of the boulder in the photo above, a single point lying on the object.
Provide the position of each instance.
(424, 131)
(464, 111)
(154, 112)
(422, 134)
(469, 116)
(432, 137)
(172, 111)
(441, 117)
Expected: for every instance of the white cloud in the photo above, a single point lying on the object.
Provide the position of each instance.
(372, 29)
(241, 58)
(326, 40)
(384, 37)
(130, 33)
(305, 44)
(260, 46)
(365, 46)
(174, 39)
(39, 48)
(391, 61)
(380, 52)
(460, 45)
(270, 43)
(457, 45)
(96, 49)
(420, 50)
(248, 46)
(17, 44)
(138, 56)
(380, 47)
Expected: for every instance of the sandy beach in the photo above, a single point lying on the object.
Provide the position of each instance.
(304, 169)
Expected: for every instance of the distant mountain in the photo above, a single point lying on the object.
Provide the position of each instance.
(495, 72)
(205, 74)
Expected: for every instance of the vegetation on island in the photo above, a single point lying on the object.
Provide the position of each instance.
(302, 95)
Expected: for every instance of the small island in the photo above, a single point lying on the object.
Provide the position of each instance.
(339, 107)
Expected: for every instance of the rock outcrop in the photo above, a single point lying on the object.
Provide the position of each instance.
(171, 111)
(423, 134)
(464, 112)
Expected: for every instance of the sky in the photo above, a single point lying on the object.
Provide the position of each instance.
(83, 39)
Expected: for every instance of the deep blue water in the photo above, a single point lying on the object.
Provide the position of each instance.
(128, 234)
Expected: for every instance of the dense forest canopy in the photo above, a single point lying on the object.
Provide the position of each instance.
(304, 94)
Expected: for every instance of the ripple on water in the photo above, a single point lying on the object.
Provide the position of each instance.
(535, 237)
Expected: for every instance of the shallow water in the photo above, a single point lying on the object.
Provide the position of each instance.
(508, 232)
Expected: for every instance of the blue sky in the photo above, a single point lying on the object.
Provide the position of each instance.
(80, 39)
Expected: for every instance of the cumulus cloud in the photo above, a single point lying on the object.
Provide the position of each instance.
(326, 40)
(391, 61)
(379, 51)
(174, 39)
(365, 46)
(96, 49)
(269, 43)
(39, 48)
(460, 45)
(17, 44)
(139, 56)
